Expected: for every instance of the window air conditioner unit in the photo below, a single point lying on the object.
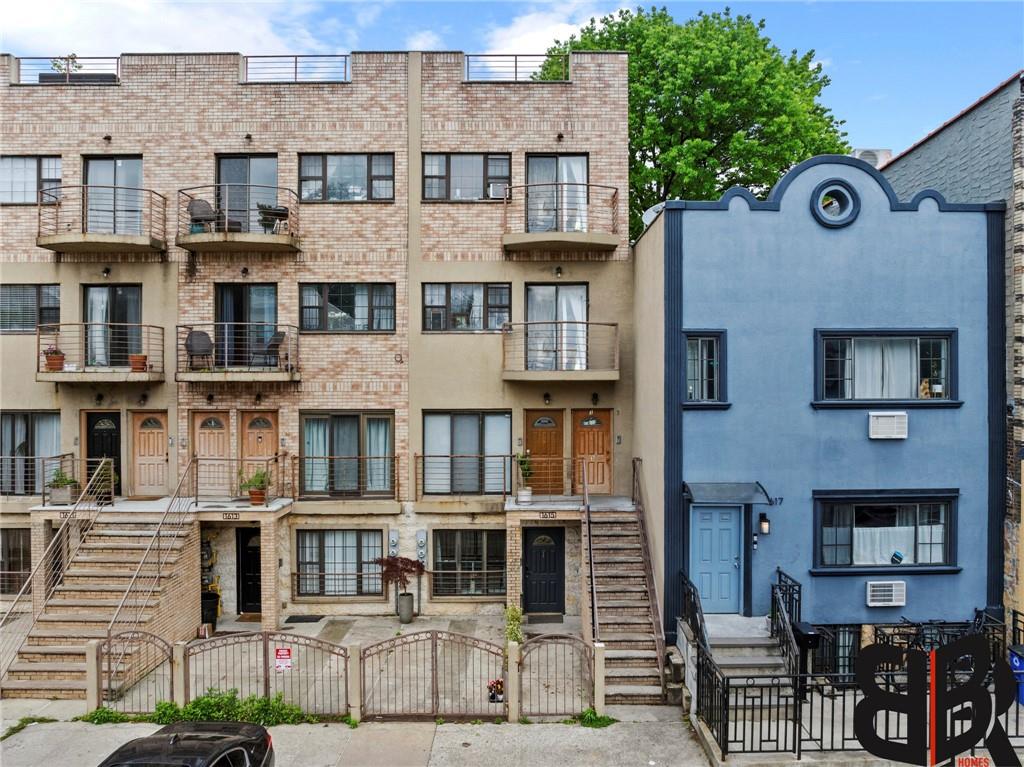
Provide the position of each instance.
(887, 424)
(497, 191)
(887, 593)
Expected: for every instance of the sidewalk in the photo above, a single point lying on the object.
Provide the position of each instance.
(644, 736)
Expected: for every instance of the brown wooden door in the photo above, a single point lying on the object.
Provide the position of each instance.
(592, 444)
(149, 453)
(544, 445)
(211, 446)
(259, 439)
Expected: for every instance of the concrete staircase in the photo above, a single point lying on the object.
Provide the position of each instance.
(51, 662)
(623, 605)
(744, 646)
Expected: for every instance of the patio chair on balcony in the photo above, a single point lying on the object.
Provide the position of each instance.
(198, 346)
(269, 352)
(203, 218)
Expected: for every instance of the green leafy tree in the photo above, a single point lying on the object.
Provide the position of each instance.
(712, 104)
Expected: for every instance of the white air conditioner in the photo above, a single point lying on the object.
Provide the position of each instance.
(874, 157)
(887, 593)
(497, 190)
(888, 424)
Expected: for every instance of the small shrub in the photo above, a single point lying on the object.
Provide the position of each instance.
(167, 712)
(524, 720)
(271, 711)
(590, 718)
(439, 720)
(24, 722)
(352, 723)
(104, 715)
(213, 706)
(513, 624)
(499, 720)
(476, 721)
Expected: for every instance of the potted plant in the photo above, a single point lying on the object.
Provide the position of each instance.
(257, 484)
(107, 486)
(524, 495)
(397, 571)
(63, 488)
(139, 362)
(496, 690)
(54, 358)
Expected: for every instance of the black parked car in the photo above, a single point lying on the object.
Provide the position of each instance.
(198, 744)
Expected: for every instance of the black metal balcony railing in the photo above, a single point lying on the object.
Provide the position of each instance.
(561, 346)
(84, 347)
(562, 207)
(467, 583)
(346, 476)
(513, 67)
(214, 347)
(463, 475)
(69, 70)
(237, 209)
(298, 69)
(96, 209)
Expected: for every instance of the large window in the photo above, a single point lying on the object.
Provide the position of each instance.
(15, 558)
(245, 183)
(885, 533)
(26, 438)
(346, 177)
(557, 194)
(466, 176)
(557, 336)
(886, 366)
(348, 307)
(115, 203)
(338, 563)
(461, 306)
(705, 379)
(23, 308)
(348, 454)
(112, 314)
(467, 453)
(22, 178)
(468, 563)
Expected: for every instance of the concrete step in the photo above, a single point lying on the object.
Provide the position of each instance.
(136, 548)
(60, 636)
(626, 657)
(611, 517)
(606, 531)
(61, 605)
(52, 671)
(601, 558)
(622, 588)
(627, 640)
(751, 665)
(633, 695)
(54, 688)
(639, 602)
(619, 545)
(631, 675)
(731, 647)
(641, 619)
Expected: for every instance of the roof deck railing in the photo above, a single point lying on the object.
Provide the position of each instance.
(334, 68)
(69, 70)
(516, 67)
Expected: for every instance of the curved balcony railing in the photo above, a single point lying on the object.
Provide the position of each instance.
(561, 347)
(237, 347)
(561, 208)
(102, 210)
(92, 347)
(237, 209)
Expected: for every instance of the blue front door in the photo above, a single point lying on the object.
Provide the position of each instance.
(716, 564)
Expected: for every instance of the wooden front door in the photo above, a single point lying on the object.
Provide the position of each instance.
(211, 445)
(149, 453)
(592, 444)
(103, 440)
(544, 569)
(544, 447)
(249, 570)
(259, 439)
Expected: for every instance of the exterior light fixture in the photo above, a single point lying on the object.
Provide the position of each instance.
(558, 271)
(107, 138)
(245, 271)
(764, 525)
(99, 398)
(144, 398)
(259, 397)
(547, 398)
(248, 137)
(594, 399)
(106, 271)
(209, 399)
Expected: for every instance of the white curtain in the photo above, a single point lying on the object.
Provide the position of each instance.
(345, 450)
(340, 562)
(437, 445)
(875, 545)
(97, 314)
(20, 450)
(572, 309)
(378, 448)
(885, 368)
(573, 171)
(497, 442)
(362, 308)
(314, 448)
(542, 195)
(541, 339)
(47, 444)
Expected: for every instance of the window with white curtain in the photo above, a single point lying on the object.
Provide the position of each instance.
(466, 306)
(338, 562)
(557, 333)
(467, 453)
(884, 534)
(348, 454)
(885, 367)
(26, 439)
(557, 193)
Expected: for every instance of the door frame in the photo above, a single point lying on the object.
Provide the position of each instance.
(239, 533)
(243, 418)
(560, 602)
(746, 548)
(526, 438)
(131, 441)
(83, 430)
(611, 439)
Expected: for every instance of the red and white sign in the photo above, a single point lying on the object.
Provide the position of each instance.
(282, 659)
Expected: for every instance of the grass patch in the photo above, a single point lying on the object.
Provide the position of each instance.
(24, 722)
(439, 720)
(590, 718)
(352, 723)
(524, 720)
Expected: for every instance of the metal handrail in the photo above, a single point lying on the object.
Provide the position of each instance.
(271, 210)
(560, 345)
(595, 622)
(298, 68)
(562, 206)
(34, 468)
(693, 611)
(365, 468)
(95, 209)
(74, 70)
(653, 601)
(203, 347)
(451, 467)
(515, 67)
(91, 346)
(782, 630)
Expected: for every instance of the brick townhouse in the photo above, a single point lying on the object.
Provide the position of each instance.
(393, 289)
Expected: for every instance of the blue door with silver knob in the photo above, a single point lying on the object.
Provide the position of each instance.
(716, 560)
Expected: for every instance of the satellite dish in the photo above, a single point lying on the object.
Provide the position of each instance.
(651, 213)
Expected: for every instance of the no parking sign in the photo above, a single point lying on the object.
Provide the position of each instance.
(282, 659)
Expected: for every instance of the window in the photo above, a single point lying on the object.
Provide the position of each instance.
(863, 366)
(885, 533)
(557, 193)
(348, 307)
(348, 454)
(15, 558)
(468, 563)
(23, 308)
(246, 316)
(22, 178)
(339, 562)
(557, 333)
(705, 367)
(245, 184)
(467, 453)
(115, 204)
(112, 314)
(458, 306)
(26, 438)
(466, 176)
(346, 177)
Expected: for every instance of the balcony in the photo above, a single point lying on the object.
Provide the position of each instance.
(561, 218)
(225, 218)
(237, 351)
(102, 220)
(99, 352)
(560, 351)
(347, 477)
(456, 475)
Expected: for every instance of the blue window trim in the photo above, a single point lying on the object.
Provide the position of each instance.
(922, 495)
(820, 403)
(722, 403)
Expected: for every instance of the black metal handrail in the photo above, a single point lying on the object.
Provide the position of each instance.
(792, 591)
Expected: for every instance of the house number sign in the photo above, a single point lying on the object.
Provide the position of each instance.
(229, 515)
(549, 515)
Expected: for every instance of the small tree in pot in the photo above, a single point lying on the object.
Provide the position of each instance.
(524, 495)
(256, 484)
(398, 571)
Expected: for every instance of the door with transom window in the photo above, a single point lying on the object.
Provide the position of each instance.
(211, 447)
(259, 440)
(592, 445)
(544, 438)
(149, 453)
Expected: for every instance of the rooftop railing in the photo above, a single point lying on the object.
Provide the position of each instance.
(69, 70)
(95, 209)
(515, 68)
(334, 68)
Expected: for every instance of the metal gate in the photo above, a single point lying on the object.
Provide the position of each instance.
(135, 672)
(430, 674)
(308, 672)
(556, 676)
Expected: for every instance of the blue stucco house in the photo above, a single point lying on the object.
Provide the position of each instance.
(831, 363)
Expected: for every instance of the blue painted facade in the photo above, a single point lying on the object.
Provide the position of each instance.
(771, 276)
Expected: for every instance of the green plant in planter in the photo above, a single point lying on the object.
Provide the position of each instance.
(61, 479)
(258, 480)
(525, 467)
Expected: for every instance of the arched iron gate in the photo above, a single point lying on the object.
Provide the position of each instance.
(556, 676)
(430, 674)
(135, 672)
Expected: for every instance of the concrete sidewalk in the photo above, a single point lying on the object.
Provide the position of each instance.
(644, 736)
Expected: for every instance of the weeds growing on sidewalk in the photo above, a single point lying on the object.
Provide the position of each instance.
(215, 706)
(24, 722)
(590, 718)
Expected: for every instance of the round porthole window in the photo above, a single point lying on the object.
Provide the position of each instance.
(835, 203)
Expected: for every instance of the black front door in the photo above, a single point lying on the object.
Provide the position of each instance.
(249, 570)
(544, 569)
(103, 440)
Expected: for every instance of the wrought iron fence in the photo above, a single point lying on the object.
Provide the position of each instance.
(560, 346)
(334, 68)
(515, 67)
(69, 70)
(98, 209)
(91, 347)
(556, 676)
(237, 209)
(237, 347)
(454, 475)
(135, 671)
(561, 207)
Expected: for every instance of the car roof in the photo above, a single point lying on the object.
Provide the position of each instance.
(186, 743)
